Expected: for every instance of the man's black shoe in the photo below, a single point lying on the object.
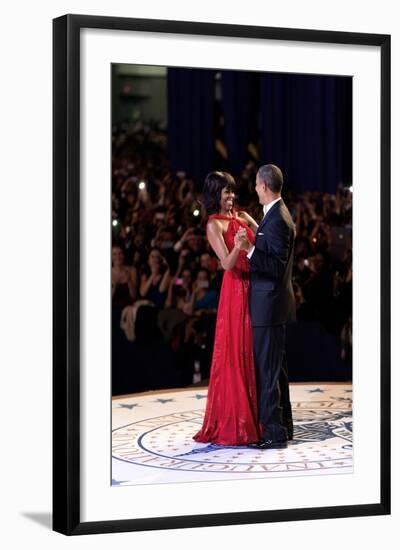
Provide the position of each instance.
(269, 444)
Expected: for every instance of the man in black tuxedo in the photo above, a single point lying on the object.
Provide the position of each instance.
(272, 305)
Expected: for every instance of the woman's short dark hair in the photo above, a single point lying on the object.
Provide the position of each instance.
(213, 185)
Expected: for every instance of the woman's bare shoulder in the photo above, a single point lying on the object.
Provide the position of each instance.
(242, 214)
(246, 217)
(214, 225)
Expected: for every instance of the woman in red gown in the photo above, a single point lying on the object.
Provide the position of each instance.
(231, 416)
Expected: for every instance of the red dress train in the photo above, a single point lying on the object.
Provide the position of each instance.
(231, 416)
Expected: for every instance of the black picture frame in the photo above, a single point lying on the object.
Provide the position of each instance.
(66, 273)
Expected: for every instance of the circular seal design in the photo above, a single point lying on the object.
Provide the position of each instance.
(322, 440)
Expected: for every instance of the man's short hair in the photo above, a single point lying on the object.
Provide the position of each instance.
(272, 177)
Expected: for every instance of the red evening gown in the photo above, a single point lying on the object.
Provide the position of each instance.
(231, 416)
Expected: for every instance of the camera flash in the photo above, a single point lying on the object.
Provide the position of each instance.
(142, 185)
(115, 223)
(196, 212)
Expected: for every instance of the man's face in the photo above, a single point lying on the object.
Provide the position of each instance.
(159, 219)
(260, 189)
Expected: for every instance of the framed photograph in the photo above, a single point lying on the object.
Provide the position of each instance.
(184, 154)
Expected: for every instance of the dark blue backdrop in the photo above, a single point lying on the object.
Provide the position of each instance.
(302, 123)
(191, 121)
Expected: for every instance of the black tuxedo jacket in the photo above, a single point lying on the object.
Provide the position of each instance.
(271, 292)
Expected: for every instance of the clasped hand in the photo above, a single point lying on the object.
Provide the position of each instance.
(241, 240)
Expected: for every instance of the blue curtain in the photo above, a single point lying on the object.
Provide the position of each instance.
(191, 121)
(306, 129)
(240, 105)
(302, 123)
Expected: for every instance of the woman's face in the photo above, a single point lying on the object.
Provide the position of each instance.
(202, 277)
(227, 199)
(186, 278)
(154, 258)
(204, 260)
(117, 256)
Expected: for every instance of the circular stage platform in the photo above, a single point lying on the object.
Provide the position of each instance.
(152, 439)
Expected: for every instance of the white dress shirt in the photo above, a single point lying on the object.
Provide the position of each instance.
(266, 208)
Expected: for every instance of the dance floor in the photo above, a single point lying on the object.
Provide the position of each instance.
(152, 438)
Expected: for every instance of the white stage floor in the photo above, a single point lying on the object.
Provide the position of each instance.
(152, 439)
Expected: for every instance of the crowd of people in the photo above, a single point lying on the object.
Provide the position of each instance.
(166, 277)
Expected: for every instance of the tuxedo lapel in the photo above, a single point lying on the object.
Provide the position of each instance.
(268, 214)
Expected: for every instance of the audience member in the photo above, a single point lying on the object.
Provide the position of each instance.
(159, 228)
